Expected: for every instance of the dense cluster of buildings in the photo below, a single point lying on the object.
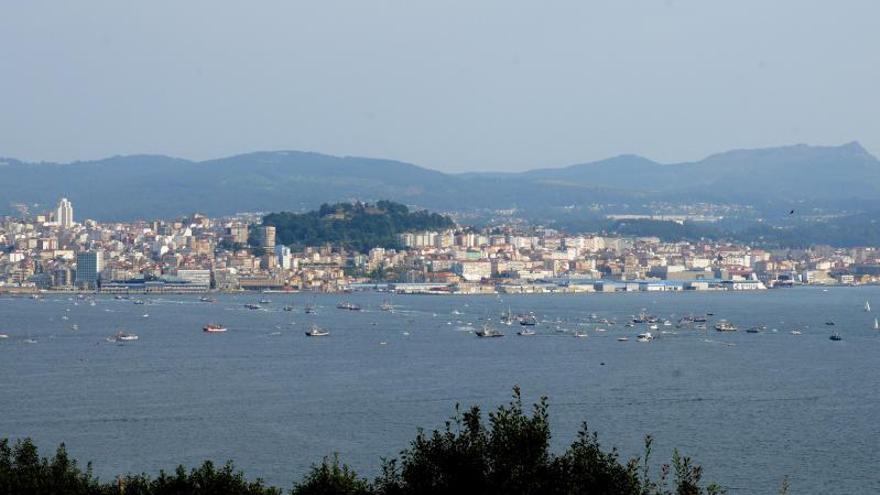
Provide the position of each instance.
(197, 254)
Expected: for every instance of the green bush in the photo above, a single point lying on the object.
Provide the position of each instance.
(510, 455)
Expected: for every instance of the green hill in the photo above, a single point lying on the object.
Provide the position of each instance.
(358, 226)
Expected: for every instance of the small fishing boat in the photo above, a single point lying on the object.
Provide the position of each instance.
(207, 299)
(213, 328)
(122, 337)
(252, 306)
(836, 336)
(795, 332)
(316, 331)
(528, 320)
(623, 339)
(644, 337)
(287, 308)
(526, 332)
(580, 334)
(725, 326)
(488, 331)
(348, 306)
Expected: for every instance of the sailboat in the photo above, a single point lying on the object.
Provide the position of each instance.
(876, 324)
(867, 307)
(507, 318)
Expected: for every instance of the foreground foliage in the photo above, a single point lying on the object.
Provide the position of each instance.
(509, 454)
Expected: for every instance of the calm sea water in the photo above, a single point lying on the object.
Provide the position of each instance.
(751, 408)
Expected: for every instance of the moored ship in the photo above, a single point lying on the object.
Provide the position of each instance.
(725, 326)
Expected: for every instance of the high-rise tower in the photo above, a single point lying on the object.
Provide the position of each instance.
(64, 213)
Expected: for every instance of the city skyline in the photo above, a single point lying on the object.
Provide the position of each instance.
(435, 256)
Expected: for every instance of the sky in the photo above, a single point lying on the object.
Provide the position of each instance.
(452, 85)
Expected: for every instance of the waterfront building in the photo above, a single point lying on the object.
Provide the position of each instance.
(88, 269)
(282, 254)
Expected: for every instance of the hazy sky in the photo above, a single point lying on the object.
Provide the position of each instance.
(453, 85)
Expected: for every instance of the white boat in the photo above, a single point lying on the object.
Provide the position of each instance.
(526, 332)
(4, 336)
(623, 339)
(213, 328)
(795, 332)
(876, 324)
(653, 327)
(645, 337)
(316, 331)
(387, 306)
(867, 307)
(122, 337)
(580, 334)
(507, 318)
(29, 341)
(488, 331)
(725, 326)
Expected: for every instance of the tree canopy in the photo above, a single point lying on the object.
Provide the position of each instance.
(358, 226)
(508, 454)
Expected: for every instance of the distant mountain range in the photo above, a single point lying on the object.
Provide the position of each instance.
(154, 186)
